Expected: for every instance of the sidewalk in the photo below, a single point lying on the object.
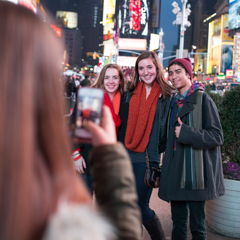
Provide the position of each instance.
(162, 209)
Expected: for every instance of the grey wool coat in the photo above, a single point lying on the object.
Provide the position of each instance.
(209, 138)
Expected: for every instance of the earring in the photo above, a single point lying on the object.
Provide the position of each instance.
(140, 79)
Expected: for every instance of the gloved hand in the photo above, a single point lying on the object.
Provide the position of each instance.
(78, 161)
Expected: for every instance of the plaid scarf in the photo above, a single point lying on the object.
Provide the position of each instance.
(193, 88)
(180, 103)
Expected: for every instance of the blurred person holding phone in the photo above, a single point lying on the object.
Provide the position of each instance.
(41, 195)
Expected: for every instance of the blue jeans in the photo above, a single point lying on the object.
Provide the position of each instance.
(144, 192)
(180, 213)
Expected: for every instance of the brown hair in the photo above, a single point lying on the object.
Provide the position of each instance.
(99, 82)
(166, 88)
(35, 166)
(179, 64)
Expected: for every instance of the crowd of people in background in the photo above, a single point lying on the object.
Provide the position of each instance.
(74, 81)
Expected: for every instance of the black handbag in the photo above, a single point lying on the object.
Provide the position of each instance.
(152, 174)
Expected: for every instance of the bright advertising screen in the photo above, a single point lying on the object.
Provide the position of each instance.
(134, 18)
(220, 46)
(67, 19)
(234, 14)
(108, 26)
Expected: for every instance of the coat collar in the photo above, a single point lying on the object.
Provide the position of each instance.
(188, 106)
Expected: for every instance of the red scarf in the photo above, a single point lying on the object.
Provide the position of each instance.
(116, 102)
(115, 116)
(141, 116)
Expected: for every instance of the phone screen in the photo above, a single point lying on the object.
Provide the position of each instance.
(89, 106)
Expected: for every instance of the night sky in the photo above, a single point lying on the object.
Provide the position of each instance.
(170, 32)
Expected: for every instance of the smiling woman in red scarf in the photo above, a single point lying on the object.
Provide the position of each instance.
(110, 79)
(149, 100)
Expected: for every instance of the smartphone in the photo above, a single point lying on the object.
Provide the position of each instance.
(89, 106)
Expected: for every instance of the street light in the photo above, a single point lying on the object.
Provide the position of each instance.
(194, 47)
(161, 48)
(192, 56)
(181, 19)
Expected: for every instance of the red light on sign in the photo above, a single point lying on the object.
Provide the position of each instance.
(135, 8)
(58, 31)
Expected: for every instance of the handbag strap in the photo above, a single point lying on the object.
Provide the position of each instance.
(147, 158)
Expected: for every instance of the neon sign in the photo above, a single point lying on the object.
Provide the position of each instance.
(133, 18)
(135, 8)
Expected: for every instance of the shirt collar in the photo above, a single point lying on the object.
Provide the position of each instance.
(180, 97)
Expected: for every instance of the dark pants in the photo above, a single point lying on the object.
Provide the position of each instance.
(180, 213)
(144, 192)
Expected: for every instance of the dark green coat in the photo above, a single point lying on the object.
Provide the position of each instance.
(209, 138)
(115, 189)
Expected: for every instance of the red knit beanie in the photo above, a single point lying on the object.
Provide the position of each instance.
(186, 62)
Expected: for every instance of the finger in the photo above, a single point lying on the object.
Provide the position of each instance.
(84, 163)
(179, 121)
(92, 127)
(107, 121)
(80, 168)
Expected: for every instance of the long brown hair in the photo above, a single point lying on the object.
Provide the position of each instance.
(166, 88)
(35, 166)
(99, 83)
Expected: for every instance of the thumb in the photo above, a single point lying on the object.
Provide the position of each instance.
(179, 121)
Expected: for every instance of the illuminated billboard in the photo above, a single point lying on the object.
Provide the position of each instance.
(134, 19)
(236, 53)
(154, 42)
(132, 44)
(108, 11)
(108, 26)
(67, 19)
(126, 61)
(225, 29)
(234, 14)
(220, 46)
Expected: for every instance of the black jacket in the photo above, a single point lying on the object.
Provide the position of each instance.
(208, 138)
(123, 113)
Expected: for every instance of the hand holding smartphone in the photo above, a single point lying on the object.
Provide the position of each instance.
(89, 107)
